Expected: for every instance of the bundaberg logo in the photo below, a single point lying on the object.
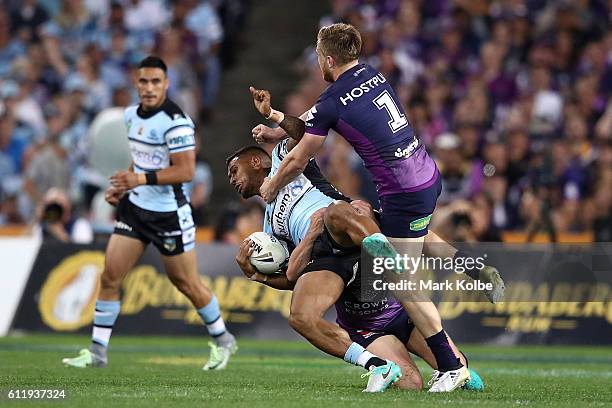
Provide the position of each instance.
(68, 296)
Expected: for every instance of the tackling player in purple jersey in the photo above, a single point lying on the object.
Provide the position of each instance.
(326, 259)
(362, 107)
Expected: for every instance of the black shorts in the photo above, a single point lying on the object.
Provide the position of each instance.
(328, 255)
(407, 215)
(400, 327)
(171, 232)
(345, 262)
(325, 246)
(345, 266)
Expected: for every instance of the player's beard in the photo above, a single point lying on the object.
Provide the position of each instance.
(327, 74)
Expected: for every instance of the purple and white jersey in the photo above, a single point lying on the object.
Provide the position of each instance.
(362, 107)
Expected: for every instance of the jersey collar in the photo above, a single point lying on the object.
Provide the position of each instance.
(148, 114)
(350, 72)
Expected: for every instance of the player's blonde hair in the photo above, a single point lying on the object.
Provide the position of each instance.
(340, 41)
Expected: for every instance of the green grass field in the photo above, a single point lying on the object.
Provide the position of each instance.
(162, 371)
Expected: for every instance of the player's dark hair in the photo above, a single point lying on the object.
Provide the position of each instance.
(246, 149)
(153, 62)
(341, 41)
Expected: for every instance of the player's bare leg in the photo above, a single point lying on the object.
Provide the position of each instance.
(435, 246)
(314, 293)
(391, 348)
(421, 309)
(183, 273)
(347, 226)
(122, 253)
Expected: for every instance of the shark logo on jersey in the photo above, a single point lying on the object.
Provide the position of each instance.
(296, 190)
(152, 134)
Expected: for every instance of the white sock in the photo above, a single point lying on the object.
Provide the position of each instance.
(364, 358)
(102, 335)
(216, 328)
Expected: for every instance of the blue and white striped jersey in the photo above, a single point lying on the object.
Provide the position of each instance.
(288, 216)
(153, 137)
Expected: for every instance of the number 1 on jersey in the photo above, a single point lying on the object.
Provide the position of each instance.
(398, 120)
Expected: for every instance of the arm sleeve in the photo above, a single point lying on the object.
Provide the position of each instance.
(280, 150)
(180, 136)
(321, 117)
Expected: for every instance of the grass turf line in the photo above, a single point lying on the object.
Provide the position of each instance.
(163, 371)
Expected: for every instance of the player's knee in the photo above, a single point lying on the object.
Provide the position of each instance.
(302, 322)
(109, 281)
(410, 381)
(415, 381)
(335, 214)
(183, 285)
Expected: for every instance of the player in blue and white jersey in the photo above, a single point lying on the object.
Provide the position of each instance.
(288, 218)
(153, 207)
(325, 232)
(362, 107)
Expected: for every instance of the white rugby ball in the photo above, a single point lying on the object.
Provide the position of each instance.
(269, 254)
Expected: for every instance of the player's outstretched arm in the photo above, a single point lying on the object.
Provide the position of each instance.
(301, 254)
(245, 250)
(292, 165)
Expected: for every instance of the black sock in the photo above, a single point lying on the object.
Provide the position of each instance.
(442, 351)
(472, 272)
(375, 361)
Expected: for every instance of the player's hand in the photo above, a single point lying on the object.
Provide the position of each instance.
(242, 259)
(262, 100)
(124, 180)
(267, 192)
(265, 134)
(113, 195)
(317, 222)
(363, 208)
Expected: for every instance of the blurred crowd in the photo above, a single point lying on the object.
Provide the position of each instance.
(62, 62)
(511, 97)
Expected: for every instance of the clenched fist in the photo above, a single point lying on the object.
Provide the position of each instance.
(262, 100)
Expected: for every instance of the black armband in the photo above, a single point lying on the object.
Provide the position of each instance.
(151, 178)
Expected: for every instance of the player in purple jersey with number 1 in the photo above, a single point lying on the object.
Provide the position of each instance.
(362, 107)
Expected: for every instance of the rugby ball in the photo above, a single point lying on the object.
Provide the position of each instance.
(269, 253)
